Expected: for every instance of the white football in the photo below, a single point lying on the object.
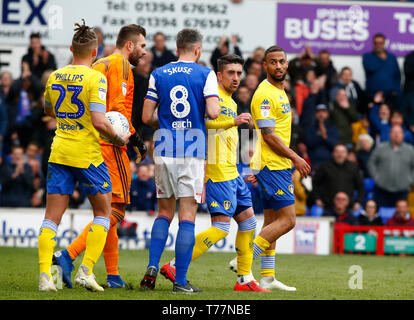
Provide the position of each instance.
(118, 121)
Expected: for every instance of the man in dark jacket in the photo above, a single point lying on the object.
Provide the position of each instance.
(38, 58)
(17, 180)
(402, 217)
(161, 54)
(382, 72)
(343, 114)
(321, 137)
(337, 175)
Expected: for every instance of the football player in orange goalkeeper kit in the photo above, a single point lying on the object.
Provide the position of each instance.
(130, 47)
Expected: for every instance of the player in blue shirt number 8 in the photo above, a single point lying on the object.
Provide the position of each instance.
(179, 96)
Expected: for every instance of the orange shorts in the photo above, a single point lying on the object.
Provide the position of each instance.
(117, 161)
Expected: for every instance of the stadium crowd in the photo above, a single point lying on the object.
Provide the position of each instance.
(358, 141)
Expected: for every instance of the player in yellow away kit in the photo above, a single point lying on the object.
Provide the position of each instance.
(130, 47)
(272, 163)
(227, 195)
(76, 96)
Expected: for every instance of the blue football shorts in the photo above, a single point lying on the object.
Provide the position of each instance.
(62, 179)
(277, 188)
(228, 197)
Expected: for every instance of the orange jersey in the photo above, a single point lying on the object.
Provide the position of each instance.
(120, 90)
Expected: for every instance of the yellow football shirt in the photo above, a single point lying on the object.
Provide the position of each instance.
(222, 141)
(270, 108)
(73, 92)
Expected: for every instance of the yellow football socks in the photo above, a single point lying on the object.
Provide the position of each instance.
(95, 241)
(46, 245)
(205, 239)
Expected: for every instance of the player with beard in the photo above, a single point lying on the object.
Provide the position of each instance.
(272, 163)
(130, 47)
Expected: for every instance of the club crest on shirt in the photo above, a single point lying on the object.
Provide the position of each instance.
(265, 108)
(124, 88)
(102, 93)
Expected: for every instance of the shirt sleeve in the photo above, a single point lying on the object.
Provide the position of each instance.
(152, 92)
(264, 112)
(211, 86)
(97, 93)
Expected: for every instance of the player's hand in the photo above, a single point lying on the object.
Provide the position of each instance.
(139, 147)
(251, 178)
(121, 140)
(244, 118)
(302, 166)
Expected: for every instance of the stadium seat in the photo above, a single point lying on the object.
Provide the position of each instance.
(369, 185)
(316, 211)
(385, 213)
(356, 213)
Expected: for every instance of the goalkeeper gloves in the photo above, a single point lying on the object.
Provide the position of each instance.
(139, 146)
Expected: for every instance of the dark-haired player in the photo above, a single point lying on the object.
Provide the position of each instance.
(227, 195)
(272, 163)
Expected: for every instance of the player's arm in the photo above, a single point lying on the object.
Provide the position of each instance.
(211, 96)
(243, 118)
(149, 113)
(104, 127)
(97, 107)
(151, 101)
(278, 146)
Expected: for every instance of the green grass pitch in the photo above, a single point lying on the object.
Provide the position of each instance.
(315, 277)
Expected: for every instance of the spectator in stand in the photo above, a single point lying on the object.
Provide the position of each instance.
(382, 120)
(336, 175)
(6, 81)
(302, 89)
(101, 45)
(340, 209)
(141, 79)
(161, 54)
(321, 137)
(251, 82)
(223, 48)
(316, 97)
(297, 140)
(257, 56)
(382, 72)
(343, 114)
(369, 215)
(402, 217)
(143, 192)
(355, 94)
(17, 180)
(408, 99)
(33, 159)
(38, 58)
(108, 49)
(364, 149)
(24, 94)
(299, 65)
(325, 68)
(256, 68)
(391, 165)
(243, 99)
(3, 123)
(359, 127)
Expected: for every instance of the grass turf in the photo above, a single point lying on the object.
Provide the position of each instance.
(316, 278)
